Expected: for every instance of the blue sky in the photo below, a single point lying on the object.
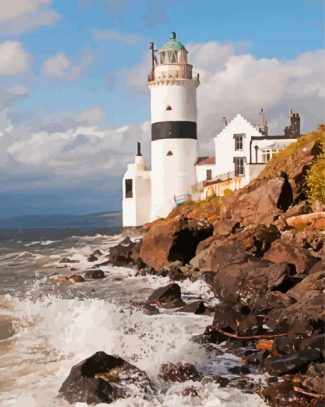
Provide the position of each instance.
(83, 63)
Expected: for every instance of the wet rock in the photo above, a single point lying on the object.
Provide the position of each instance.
(176, 303)
(283, 395)
(292, 363)
(222, 381)
(190, 392)
(314, 342)
(91, 258)
(256, 358)
(179, 372)
(103, 378)
(225, 317)
(239, 370)
(67, 260)
(166, 294)
(286, 251)
(286, 344)
(197, 307)
(150, 310)
(95, 274)
(76, 278)
(126, 253)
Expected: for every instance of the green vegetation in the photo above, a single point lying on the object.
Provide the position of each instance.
(204, 209)
(315, 182)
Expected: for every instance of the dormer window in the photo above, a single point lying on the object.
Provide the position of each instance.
(239, 141)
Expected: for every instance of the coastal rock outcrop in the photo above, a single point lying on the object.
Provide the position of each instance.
(103, 378)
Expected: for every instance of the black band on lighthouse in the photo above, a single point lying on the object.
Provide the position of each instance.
(177, 129)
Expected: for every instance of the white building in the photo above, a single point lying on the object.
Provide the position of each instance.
(177, 173)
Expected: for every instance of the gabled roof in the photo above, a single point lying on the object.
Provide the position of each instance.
(205, 161)
(240, 122)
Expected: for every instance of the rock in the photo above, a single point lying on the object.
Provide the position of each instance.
(92, 258)
(97, 273)
(225, 317)
(314, 342)
(76, 278)
(173, 239)
(239, 370)
(283, 395)
(176, 303)
(292, 363)
(319, 266)
(150, 310)
(179, 372)
(97, 253)
(103, 378)
(197, 307)
(243, 282)
(282, 251)
(67, 260)
(258, 201)
(272, 300)
(166, 294)
(256, 358)
(314, 384)
(315, 219)
(286, 344)
(126, 253)
(222, 381)
(300, 208)
(225, 227)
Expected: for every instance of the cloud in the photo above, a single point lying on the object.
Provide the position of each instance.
(127, 38)
(60, 67)
(20, 16)
(14, 59)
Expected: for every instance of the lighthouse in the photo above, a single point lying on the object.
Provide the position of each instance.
(173, 126)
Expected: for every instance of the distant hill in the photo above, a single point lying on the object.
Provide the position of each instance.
(106, 219)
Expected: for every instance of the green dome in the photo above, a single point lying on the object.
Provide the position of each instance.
(172, 44)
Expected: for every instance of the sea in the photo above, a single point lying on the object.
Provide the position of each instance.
(46, 327)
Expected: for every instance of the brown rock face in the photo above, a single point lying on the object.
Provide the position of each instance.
(171, 372)
(172, 239)
(287, 251)
(258, 202)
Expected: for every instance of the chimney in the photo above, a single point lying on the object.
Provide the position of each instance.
(262, 124)
(224, 122)
(293, 130)
(139, 150)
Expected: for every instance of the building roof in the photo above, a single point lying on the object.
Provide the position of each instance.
(172, 44)
(205, 161)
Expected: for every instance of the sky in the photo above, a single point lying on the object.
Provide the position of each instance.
(74, 99)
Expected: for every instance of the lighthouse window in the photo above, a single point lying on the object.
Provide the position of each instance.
(169, 153)
(239, 167)
(128, 188)
(209, 175)
(168, 108)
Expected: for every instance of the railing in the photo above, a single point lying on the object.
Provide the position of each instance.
(172, 75)
(181, 199)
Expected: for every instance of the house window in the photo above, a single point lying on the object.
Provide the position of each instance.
(128, 188)
(209, 175)
(239, 138)
(169, 153)
(239, 167)
(266, 155)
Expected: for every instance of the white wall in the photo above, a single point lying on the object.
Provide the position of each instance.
(180, 96)
(225, 144)
(201, 171)
(137, 210)
(171, 175)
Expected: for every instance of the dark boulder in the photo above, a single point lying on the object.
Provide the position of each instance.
(292, 363)
(221, 380)
(166, 294)
(95, 274)
(67, 260)
(314, 342)
(179, 372)
(103, 378)
(150, 310)
(176, 303)
(197, 307)
(126, 253)
(283, 395)
(92, 257)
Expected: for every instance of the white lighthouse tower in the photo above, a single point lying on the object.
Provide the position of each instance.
(173, 126)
